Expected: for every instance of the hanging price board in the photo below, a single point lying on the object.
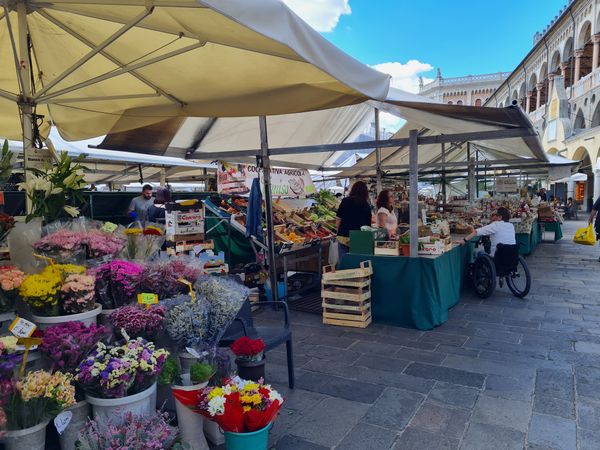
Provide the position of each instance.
(22, 328)
(147, 299)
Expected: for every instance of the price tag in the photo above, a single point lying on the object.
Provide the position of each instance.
(109, 227)
(125, 335)
(190, 287)
(61, 422)
(147, 299)
(192, 352)
(22, 328)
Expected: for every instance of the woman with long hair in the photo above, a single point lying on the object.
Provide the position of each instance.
(386, 216)
(353, 213)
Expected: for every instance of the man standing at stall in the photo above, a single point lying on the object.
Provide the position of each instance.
(140, 204)
(594, 215)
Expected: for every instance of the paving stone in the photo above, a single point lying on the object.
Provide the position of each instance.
(299, 399)
(339, 387)
(398, 380)
(394, 408)
(450, 349)
(453, 395)
(330, 341)
(288, 442)
(530, 324)
(415, 439)
(555, 383)
(588, 414)
(481, 436)
(554, 432)
(410, 354)
(482, 366)
(340, 416)
(365, 436)
(588, 381)
(444, 338)
(382, 363)
(506, 347)
(588, 439)
(374, 348)
(429, 346)
(587, 347)
(499, 411)
(441, 420)
(497, 335)
(334, 354)
(447, 374)
(554, 407)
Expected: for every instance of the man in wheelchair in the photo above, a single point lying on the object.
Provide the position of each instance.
(500, 230)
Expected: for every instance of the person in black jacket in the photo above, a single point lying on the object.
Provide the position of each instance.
(353, 213)
(594, 215)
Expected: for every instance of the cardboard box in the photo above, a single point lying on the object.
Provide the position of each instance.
(184, 222)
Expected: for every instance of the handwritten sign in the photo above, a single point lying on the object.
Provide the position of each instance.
(61, 422)
(109, 227)
(22, 328)
(146, 298)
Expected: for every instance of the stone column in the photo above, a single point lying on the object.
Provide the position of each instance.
(578, 55)
(538, 97)
(528, 102)
(596, 52)
(563, 70)
(596, 183)
(571, 189)
(550, 84)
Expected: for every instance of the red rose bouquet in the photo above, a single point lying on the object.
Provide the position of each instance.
(247, 349)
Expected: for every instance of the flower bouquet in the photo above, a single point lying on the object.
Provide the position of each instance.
(67, 344)
(10, 281)
(120, 370)
(138, 321)
(186, 320)
(66, 244)
(30, 403)
(134, 433)
(250, 357)
(143, 243)
(162, 277)
(117, 283)
(238, 406)
(78, 293)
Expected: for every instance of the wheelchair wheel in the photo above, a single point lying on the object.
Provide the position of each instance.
(519, 279)
(484, 276)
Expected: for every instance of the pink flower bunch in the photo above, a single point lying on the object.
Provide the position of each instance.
(103, 244)
(10, 278)
(139, 321)
(162, 277)
(78, 293)
(60, 240)
(117, 282)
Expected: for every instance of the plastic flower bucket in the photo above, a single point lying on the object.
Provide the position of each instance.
(33, 438)
(256, 440)
(140, 404)
(190, 423)
(88, 318)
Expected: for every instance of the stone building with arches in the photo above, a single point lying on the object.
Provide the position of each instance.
(558, 84)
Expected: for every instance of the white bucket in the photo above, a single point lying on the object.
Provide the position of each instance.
(70, 435)
(114, 409)
(32, 438)
(190, 423)
(88, 318)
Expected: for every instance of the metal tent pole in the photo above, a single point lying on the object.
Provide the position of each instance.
(377, 151)
(414, 192)
(443, 173)
(266, 166)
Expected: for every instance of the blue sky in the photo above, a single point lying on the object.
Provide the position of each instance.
(461, 37)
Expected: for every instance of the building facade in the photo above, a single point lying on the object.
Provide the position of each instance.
(558, 84)
(472, 90)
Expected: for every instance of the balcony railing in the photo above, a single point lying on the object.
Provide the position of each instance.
(500, 76)
(537, 115)
(585, 84)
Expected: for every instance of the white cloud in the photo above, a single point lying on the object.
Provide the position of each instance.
(405, 76)
(322, 15)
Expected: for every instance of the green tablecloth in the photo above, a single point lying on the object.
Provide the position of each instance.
(531, 240)
(414, 292)
(556, 228)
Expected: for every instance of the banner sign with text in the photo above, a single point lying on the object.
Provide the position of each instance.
(237, 179)
(506, 185)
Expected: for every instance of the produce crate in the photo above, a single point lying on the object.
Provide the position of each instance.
(330, 273)
(346, 296)
(390, 248)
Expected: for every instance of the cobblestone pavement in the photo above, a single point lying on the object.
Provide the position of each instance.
(503, 373)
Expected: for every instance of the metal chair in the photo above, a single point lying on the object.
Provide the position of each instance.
(243, 325)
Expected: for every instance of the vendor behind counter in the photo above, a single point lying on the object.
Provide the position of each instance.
(353, 213)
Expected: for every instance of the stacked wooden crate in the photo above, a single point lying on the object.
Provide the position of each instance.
(347, 296)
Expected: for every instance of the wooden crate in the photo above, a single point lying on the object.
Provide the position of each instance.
(363, 282)
(348, 313)
(365, 270)
(345, 293)
(388, 248)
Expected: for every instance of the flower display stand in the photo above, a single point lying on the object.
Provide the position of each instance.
(346, 296)
(140, 404)
(32, 438)
(256, 440)
(88, 318)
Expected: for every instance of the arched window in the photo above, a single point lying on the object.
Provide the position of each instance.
(478, 102)
(450, 102)
(459, 102)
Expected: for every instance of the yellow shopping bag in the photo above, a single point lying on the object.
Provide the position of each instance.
(585, 236)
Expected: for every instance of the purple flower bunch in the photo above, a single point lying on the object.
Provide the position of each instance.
(117, 282)
(138, 321)
(162, 277)
(98, 243)
(117, 371)
(146, 432)
(67, 344)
